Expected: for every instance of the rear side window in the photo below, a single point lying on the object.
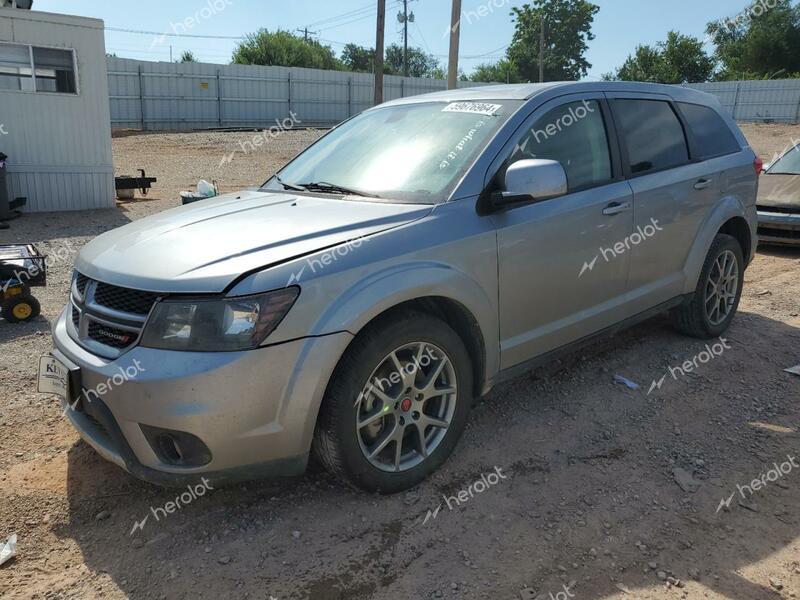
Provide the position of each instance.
(712, 134)
(653, 134)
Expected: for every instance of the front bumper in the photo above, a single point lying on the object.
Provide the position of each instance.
(255, 411)
(778, 228)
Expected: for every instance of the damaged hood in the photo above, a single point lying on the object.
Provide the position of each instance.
(202, 247)
(779, 191)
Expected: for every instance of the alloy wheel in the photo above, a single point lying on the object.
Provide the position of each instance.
(722, 287)
(406, 406)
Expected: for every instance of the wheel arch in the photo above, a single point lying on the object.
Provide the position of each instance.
(729, 217)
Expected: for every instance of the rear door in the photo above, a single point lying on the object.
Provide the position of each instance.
(556, 286)
(673, 192)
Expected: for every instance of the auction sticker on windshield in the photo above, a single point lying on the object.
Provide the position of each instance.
(475, 108)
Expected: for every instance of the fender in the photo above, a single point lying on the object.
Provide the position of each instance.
(385, 289)
(727, 208)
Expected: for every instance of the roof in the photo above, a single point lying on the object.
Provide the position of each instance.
(526, 91)
(47, 17)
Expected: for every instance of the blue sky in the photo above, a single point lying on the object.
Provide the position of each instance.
(619, 26)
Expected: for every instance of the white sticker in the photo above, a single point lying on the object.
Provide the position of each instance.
(475, 108)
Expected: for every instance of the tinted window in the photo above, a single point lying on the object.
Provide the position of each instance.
(575, 135)
(712, 134)
(653, 134)
(788, 164)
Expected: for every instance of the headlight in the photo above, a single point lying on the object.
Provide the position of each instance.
(218, 325)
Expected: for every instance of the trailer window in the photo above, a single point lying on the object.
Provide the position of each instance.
(25, 68)
(15, 68)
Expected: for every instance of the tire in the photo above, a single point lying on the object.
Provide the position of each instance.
(692, 318)
(368, 385)
(26, 307)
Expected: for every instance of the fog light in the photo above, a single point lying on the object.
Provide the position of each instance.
(177, 447)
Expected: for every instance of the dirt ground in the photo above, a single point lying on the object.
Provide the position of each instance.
(590, 504)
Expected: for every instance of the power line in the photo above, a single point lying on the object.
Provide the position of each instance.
(178, 35)
(368, 8)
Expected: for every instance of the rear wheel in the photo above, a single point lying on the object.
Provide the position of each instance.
(718, 292)
(396, 405)
(21, 308)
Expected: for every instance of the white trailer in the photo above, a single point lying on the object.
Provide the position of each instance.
(54, 110)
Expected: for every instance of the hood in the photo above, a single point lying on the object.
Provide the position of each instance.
(202, 247)
(779, 191)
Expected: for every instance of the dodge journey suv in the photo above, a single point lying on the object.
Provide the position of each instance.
(356, 305)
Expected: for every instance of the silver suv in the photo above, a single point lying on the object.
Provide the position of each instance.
(357, 304)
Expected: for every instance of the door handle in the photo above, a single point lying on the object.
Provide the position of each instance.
(616, 207)
(702, 184)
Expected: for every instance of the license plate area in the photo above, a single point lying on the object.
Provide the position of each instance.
(55, 377)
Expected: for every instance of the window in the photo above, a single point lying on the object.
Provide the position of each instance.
(28, 69)
(712, 134)
(15, 68)
(574, 134)
(653, 134)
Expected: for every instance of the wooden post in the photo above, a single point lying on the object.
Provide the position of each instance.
(381, 26)
(219, 97)
(141, 99)
(455, 35)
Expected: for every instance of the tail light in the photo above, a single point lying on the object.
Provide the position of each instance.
(758, 165)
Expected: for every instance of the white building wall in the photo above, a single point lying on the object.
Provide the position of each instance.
(59, 145)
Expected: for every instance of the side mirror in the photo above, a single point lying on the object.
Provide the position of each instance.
(532, 179)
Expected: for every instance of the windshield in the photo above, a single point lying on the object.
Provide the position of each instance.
(410, 152)
(788, 164)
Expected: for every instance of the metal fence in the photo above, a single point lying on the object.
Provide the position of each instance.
(771, 101)
(182, 96)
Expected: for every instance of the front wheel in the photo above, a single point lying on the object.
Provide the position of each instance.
(718, 292)
(396, 405)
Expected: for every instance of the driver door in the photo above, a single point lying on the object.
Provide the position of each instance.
(563, 274)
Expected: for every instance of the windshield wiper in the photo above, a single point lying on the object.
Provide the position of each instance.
(289, 186)
(324, 186)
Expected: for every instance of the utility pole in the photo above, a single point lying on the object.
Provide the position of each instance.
(381, 26)
(541, 51)
(455, 35)
(305, 33)
(405, 18)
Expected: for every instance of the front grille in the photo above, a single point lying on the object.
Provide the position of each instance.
(110, 336)
(80, 282)
(107, 319)
(785, 210)
(123, 299)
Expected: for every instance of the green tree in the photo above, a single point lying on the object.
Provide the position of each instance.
(760, 42)
(187, 56)
(568, 29)
(503, 71)
(680, 59)
(282, 48)
(358, 58)
(420, 64)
